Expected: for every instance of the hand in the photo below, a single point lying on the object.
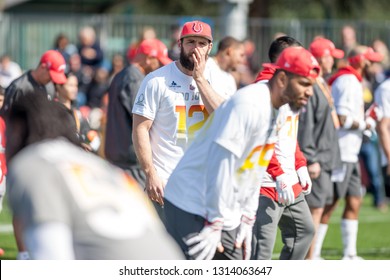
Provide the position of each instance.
(305, 180)
(155, 188)
(244, 236)
(370, 123)
(199, 56)
(207, 241)
(286, 194)
(314, 170)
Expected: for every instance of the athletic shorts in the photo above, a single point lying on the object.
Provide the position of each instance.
(321, 191)
(351, 185)
(182, 225)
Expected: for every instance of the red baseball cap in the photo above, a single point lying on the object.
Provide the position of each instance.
(364, 52)
(299, 61)
(155, 48)
(322, 46)
(55, 62)
(196, 28)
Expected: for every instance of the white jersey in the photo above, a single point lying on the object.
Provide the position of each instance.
(242, 130)
(172, 100)
(285, 147)
(347, 93)
(105, 210)
(228, 87)
(382, 100)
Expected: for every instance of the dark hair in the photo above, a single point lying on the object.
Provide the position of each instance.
(2, 91)
(39, 119)
(228, 42)
(279, 44)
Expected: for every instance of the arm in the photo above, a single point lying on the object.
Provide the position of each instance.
(220, 202)
(383, 129)
(50, 241)
(153, 185)
(210, 98)
(347, 122)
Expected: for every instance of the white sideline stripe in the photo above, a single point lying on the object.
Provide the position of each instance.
(333, 252)
(365, 219)
(6, 228)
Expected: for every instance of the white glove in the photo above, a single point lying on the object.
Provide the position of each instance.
(285, 191)
(206, 241)
(372, 123)
(305, 180)
(244, 236)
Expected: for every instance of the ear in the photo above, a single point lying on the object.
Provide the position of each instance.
(282, 79)
(210, 48)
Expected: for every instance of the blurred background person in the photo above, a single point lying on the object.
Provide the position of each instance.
(63, 45)
(347, 91)
(66, 95)
(173, 47)
(9, 70)
(229, 57)
(147, 32)
(119, 149)
(40, 81)
(50, 70)
(317, 136)
(382, 111)
(3, 165)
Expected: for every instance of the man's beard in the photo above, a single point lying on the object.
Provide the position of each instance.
(185, 60)
(295, 107)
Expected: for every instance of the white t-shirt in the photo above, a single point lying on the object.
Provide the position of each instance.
(172, 100)
(382, 100)
(347, 93)
(241, 133)
(286, 145)
(228, 87)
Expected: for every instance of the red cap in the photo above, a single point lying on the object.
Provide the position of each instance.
(298, 61)
(196, 28)
(55, 62)
(364, 52)
(322, 46)
(155, 48)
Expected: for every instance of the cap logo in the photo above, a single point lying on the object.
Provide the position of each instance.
(197, 27)
(62, 67)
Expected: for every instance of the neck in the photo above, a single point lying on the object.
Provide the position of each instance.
(66, 102)
(139, 67)
(219, 60)
(35, 75)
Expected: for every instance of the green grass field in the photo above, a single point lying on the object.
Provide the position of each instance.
(373, 237)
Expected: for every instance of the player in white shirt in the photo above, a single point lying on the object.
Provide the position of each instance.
(230, 55)
(71, 203)
(382, 100)
(212, 195)
(281, 201)
(171, 106)
(347, 92)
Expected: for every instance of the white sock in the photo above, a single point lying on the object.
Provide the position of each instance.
(321, 233)
(349, 231)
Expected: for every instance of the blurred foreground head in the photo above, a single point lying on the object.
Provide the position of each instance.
(33, 118)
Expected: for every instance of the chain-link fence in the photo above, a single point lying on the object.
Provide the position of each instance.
(25, 37)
